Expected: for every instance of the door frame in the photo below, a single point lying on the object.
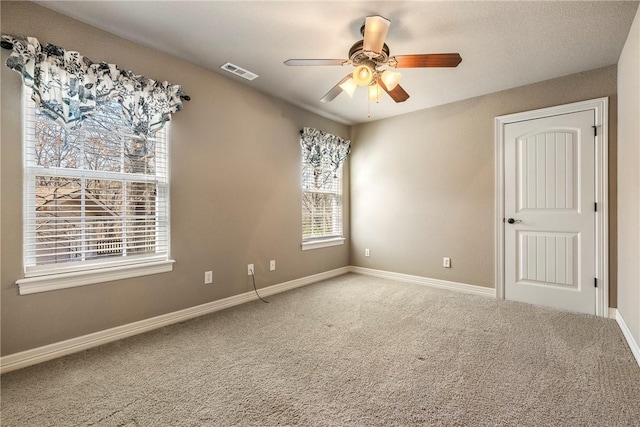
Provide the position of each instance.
(600, 107)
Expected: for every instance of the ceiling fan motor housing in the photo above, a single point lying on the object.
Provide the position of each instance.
(358, 56)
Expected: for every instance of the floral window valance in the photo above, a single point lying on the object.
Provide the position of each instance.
(320, 148)
(68, 86)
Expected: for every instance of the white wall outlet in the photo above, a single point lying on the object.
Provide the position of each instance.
(250, 270)
(366, 252)
(208, 277)
(272, 265)
(446, 262)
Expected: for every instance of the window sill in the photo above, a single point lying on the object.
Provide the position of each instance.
(325, 243)
(52, 282)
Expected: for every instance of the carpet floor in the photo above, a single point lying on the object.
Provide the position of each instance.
(353, 350)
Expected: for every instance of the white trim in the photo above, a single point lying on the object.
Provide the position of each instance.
(42, 354)
(324, 243)
(633, 345)
(296, 283)
(37, 355)
(600, 108)
(426, 281)
(52, 282)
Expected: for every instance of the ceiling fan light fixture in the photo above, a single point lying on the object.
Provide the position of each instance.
(363, 75)
(390, 79)
(374, 92)
(349, 87)
(375, 32)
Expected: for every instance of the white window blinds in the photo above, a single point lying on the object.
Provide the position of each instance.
(321, 201)
(95, 195)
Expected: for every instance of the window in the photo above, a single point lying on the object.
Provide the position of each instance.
(321, 203)
(322, 157)
(96, 200)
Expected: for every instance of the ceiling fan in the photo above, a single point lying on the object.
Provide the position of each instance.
(374, 65)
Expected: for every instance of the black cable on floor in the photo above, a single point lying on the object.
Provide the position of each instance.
(254, 287)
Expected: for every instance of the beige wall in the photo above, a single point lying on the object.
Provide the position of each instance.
(629, 180)
(235, 196)
(422, 184)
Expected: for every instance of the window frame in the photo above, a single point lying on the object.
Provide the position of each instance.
(47, 277)
(332, 239)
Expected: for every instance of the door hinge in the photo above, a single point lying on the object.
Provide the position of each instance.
(595, 130)
(595, 207)
(595, 282)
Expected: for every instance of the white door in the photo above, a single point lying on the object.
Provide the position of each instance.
(549, 207)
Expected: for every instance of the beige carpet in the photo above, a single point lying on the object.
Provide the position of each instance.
(354, 350)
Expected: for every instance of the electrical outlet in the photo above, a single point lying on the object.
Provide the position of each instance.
(366, 252)
(272, 265)
(208, 277)
(250, 270)
(446, 262)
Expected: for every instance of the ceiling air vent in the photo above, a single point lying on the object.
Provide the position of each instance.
(239, 71)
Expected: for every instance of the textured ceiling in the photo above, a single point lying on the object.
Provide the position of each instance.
(503, 44)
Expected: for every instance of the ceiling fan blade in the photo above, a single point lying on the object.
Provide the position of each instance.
(296, 62)
(375, 33)
(336, 90)
(398, 94)
(428, 60)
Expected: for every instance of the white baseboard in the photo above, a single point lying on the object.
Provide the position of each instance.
(37, 355)
(633, 345)
(436, 283)
(41, 354)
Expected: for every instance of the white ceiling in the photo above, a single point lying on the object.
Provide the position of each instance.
(503, 44)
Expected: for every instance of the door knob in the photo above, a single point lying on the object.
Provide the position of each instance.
(514, 221)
